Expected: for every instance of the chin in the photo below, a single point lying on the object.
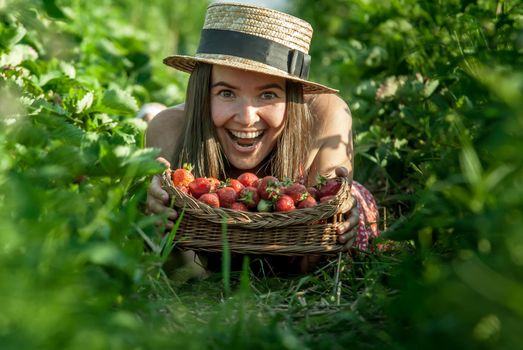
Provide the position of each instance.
(244, 164)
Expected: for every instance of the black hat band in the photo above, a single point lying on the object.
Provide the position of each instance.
(255, 48)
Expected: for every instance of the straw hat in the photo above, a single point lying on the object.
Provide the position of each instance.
(255, 39)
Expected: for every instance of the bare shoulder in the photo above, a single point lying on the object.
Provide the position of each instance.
(333, 140)
(164, 129)
(330, 109)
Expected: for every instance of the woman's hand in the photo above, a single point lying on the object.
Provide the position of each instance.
(348, 230)
(157, 202)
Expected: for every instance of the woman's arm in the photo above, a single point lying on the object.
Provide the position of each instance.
(332, 146)
(333, 153)
(162, 132)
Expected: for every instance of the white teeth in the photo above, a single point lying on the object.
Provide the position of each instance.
(246, 135)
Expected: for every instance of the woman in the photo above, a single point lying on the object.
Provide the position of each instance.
(250, 107)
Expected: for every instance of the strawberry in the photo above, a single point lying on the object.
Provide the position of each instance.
(329, 188)
(269, 187)
(199, 186)
(249, 195)
(247, 179)
(326, 198)
(239, 206)
(182, 176)
(308, 202)
(265, 206)
(215, 183)
(227, 196)
(210, 199)
(184, 189)
(80, 178)
(236, 184)
(296, 191)
(285, 203)
(313, 191)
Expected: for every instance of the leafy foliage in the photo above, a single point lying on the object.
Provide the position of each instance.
(437, 97)
(72, 182)
(436, 90)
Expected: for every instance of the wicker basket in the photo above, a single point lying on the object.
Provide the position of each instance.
(298, 232)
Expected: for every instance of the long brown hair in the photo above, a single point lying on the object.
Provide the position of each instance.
(199, 143)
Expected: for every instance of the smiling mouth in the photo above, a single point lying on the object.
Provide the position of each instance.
(245, 139)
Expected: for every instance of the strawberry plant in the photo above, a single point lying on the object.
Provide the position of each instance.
(436, 96)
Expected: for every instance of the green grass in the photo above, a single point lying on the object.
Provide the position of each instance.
(81, 266)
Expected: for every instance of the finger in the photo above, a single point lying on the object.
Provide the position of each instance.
(164, 162)
(349, 244)
(164, 225)
(155, 190)
(350, 223)
(348, 235)
(157, 208)
(172, 214)
(350, 205)
(342, 172)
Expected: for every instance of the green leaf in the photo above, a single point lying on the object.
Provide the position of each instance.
(119, 101)
(430, 87)
(68, 69)
(470, 165)
(17, 55)
(106, 254)
(11, 36)
(497, 176)
(85, 102)
(167, 244)
(53, 10)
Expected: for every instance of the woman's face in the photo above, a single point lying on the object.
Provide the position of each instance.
(248, 110)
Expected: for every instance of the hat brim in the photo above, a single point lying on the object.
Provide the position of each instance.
(187, 64)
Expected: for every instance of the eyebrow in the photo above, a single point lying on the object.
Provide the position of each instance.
(271, 86)
(263, 87)
(222, 83)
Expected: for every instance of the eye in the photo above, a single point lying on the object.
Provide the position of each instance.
(226, 93)
(268, 95)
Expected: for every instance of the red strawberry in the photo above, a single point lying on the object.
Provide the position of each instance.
(313, 191)
(183, 189)
(265, 206)
(210, 199)
(330, 188)
(308, 202)
(247, 179)
(239, 206)
(182, 176)
(215, 183)
(326, 198)
(249, 196)
(236, 184)
(297, 192)
(285, 203)
(269, 187)
(227, 196)
(199, 186)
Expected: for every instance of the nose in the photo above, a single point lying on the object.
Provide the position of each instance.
(247, 114)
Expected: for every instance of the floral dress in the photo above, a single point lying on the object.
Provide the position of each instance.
(368, 216)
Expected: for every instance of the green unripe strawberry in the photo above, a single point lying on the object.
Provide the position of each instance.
(265, 206)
